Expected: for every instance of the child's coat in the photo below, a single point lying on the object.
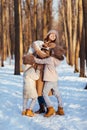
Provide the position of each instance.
(29, 85)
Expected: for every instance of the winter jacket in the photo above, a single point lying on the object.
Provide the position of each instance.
(29, 85)
(50, 73)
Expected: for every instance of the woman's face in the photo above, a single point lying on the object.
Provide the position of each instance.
(52, 37)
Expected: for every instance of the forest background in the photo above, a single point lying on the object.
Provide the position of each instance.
(24, 21)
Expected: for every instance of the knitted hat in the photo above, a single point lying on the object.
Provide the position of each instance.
(51, 31)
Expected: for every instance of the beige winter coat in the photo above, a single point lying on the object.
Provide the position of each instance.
(29, 85)
(36, 47)
(50, 73)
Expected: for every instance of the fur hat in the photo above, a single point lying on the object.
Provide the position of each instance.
(28, 59)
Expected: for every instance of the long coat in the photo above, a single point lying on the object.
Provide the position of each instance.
(50, 64)
(37, 45)
(29, 85)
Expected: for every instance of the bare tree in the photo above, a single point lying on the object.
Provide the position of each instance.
(85, 24)
(45, 25)
(26, 21)
(39, 20)
(11, 26)
(81, 39)
(3, 37)
(33, 18)
(49, 14)
(18, 37)
(8, 32)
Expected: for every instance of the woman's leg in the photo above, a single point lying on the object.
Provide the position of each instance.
(39, 87)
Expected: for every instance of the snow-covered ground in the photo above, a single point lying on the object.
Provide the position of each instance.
(74, 98)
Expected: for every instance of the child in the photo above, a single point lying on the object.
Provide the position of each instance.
(51, 78)
(31, 74)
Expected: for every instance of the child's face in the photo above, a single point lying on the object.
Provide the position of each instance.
(52, 37)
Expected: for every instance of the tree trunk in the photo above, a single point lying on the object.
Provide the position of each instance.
(0, 32)
(49, 14)
(75, 38)
(85, 24)
(3, 37)
(18, 37)
(69, 23)
(82, 40)
(8, 33)
(65, 30)
(85, 87)
(27, 38)
(11, 26)
(45, 30)
(33, 19)
(39, 20)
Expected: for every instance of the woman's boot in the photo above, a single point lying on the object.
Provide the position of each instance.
(60, 111)
(42, 105)
(41, 110)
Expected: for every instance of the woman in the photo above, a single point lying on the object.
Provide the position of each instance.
(36, 49)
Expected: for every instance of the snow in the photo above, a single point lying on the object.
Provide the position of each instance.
(74, 98)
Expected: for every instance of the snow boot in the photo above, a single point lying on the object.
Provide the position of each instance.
(30, 113)
(24, 112)
(41, 110)
(50, 112)
(60, 111)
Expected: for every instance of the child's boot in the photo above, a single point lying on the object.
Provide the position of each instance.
(50, 112)
(60, 111)
(24, 112)
(30, 113)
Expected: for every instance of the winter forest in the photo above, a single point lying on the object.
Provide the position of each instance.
(24, 21)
